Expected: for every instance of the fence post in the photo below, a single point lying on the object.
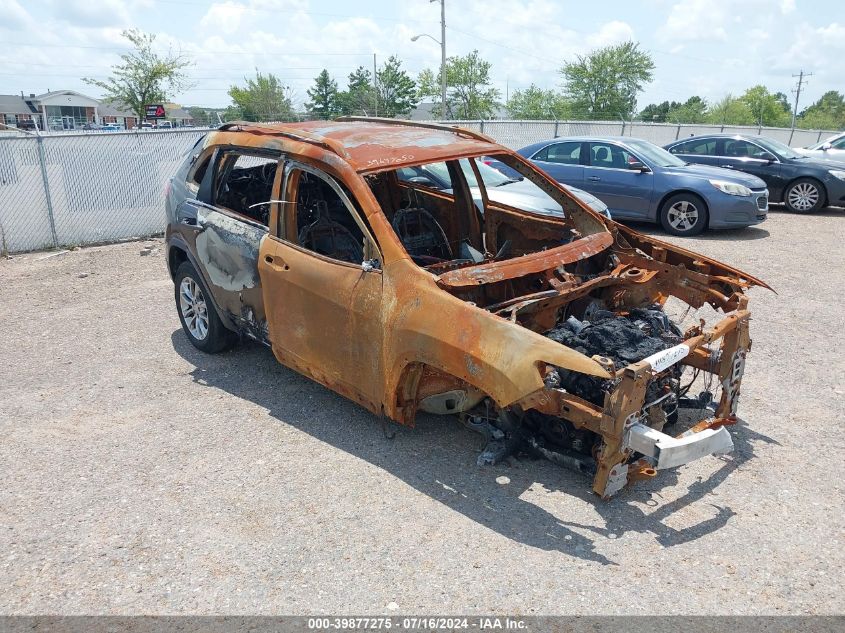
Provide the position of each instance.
(791, 133)
(623, 128)
(42, 161)
(557, 126)
(678, 132)
(481, 122)
(819, 137)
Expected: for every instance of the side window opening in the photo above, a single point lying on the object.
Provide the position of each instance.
(199, 171)
(324, 223)
(245, 182)
(434, 222)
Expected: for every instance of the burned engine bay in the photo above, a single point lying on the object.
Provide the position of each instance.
(598, 289)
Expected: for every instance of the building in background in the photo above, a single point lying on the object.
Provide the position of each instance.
(69, 110)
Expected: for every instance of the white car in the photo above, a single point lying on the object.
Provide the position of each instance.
(832, 148)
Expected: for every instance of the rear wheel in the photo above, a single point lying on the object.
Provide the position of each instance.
(804, 195)
(199, 318)
(683, 214)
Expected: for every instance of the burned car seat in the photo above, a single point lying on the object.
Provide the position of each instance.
(421, 235)
(330, 238)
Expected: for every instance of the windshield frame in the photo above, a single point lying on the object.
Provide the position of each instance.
(775, 147)
(644, 149)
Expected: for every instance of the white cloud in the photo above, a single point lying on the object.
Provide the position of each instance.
(225, 17)
(611, 33)
(691, 20)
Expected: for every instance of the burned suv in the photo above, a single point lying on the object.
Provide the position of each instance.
(546, 333)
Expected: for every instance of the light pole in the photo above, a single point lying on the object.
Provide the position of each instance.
(442, 43)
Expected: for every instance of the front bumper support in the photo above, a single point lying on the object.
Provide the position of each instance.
(668, 452)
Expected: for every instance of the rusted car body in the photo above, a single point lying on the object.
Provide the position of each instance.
(404, 298)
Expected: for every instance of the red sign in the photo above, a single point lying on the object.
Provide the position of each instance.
(154, 111)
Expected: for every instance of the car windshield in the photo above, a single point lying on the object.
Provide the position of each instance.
(777, 147)
(824, 142)
(654, 154)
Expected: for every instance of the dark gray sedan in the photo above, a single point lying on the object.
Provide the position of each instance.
(641, 181)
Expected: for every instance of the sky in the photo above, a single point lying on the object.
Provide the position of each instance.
(704, 47)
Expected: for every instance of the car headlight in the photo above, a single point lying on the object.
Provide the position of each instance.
(837, 173)
(731, 188)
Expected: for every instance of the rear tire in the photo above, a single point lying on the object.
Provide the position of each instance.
(197, 313)
(684, 214)
(804, 195)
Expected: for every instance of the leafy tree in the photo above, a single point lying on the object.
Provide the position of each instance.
(469, 94)
(730, 110)
(693, 110)
(766, 109)
(828, 113)
(537, 103)
(324, 102)
(201, 116)
(262, 99)
(360, 96)
(605, 83)
(657, 112)
(397, 92)
(143, 76)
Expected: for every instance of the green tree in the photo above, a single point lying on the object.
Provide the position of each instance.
(359, 98)
(693, 110)
(469, 94)
(262, 99)
(605, 83)
(766, 109)
(143, 76)
(397, 92)
(730, 110)
(828, 113)
(201, 116)
(324, 102)
(537, 103)
(657, 112)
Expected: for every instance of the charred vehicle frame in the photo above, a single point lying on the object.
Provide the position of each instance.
(546, 334)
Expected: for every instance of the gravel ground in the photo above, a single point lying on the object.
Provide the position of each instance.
(141, 476)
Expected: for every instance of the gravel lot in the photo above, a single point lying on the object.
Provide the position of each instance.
(141, 476)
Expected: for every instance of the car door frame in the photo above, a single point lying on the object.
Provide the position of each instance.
(542, 164)
(774, 177)
(226, 244)
(609, 197)
(324, 315)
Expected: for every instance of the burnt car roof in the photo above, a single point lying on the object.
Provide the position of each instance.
(372, 144)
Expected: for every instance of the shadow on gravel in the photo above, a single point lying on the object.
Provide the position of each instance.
(438, 456)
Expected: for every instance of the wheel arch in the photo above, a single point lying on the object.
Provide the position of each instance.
(792, 181)
(686, 190)
(177, 254)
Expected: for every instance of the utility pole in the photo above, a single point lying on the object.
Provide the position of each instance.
(442, 55)
(797, 92)
(375, 83)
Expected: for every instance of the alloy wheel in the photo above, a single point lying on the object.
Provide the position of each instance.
(803, 196)
(683, 215)
(193, 308)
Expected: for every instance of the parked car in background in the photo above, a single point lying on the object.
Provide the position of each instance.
(513, 190)
(165, 125)
(802, 183)
(640, 181)
(832, 148)
(112, 127)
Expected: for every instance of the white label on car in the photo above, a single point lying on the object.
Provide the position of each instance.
(668, 357)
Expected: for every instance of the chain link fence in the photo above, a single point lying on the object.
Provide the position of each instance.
(516, 134)
(75, 189)
(83, 188)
